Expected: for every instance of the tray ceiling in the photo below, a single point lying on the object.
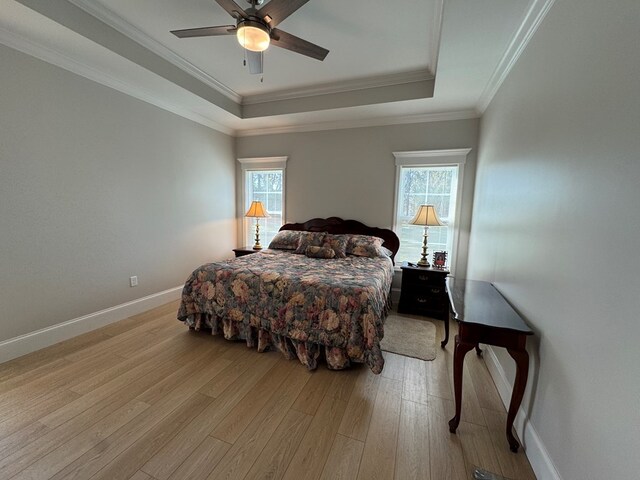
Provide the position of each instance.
(363, 37)
(389, 62)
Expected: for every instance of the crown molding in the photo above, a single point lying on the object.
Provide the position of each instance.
(121, 25)
(532, 20)
(361, 123)
(59, 59)
(436, 34)
(54, 57)
(340, 87)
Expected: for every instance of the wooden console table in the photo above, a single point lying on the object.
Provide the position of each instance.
(484, 316)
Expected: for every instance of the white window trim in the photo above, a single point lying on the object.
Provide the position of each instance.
(434, 158)
(262, 163)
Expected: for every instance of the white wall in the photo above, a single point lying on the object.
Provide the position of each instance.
(95, 187)
(350, 173)
(556, 226)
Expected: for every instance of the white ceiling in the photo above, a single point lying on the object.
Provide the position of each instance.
(474, 44)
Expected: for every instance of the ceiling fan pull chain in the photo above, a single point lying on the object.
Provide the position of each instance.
(244, 50)
(262, 63)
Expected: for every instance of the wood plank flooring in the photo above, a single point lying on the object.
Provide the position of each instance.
(145, 399)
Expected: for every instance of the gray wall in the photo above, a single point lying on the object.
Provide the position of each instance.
(350, 173)
(95, 187)
(556, 225)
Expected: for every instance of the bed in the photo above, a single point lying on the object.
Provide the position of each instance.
(307, 308)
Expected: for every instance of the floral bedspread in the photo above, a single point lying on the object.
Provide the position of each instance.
(338, 304)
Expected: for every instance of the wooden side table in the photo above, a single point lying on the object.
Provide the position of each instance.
(242, 251)
(423, 292)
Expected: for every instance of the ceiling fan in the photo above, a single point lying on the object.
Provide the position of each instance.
(255, 30)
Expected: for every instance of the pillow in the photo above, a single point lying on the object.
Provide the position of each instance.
(285, 240)
(387, 252)
(307, 239)
(319, 252)
(369, 251)
(365, 246)
(338, 243)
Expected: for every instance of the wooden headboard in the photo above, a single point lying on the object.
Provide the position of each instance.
(336, 225)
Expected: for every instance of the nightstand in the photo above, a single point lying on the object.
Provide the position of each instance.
(423, 292)
(242, 251)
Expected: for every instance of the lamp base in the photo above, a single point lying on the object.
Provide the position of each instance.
(423, 262)
(257, 245)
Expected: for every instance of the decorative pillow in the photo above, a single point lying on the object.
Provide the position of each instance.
(285, 240)
(319, 252)
(365, 246)
(313, 239)
(337, 243)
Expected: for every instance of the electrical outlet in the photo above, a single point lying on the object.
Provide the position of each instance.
(133, 281)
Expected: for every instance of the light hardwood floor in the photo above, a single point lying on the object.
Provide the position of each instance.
(146, 399)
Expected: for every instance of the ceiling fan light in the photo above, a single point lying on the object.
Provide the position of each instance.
(253, 38)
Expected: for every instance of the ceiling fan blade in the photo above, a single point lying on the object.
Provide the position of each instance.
(295, 44)
(278, 10)
(232, 8)
(205, 31)
(254, 60)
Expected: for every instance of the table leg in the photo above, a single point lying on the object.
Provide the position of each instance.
(446, 332)
(459, 352)
(522, 364)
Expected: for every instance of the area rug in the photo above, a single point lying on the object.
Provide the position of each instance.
(409, 337)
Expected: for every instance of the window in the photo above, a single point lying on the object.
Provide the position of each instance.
(264, 180)
(264, 186)
(431, 177)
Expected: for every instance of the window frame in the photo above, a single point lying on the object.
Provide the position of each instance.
(434, 158)
(261, 164)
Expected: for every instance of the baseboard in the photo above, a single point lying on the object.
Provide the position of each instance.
(535, 450)
(30, 342)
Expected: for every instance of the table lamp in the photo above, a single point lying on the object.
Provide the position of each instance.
(427, 217)
(257, 211)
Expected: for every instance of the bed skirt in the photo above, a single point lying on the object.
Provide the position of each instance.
(308, 353)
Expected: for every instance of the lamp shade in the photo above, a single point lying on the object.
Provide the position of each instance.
(256, 210)
(427, 216)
